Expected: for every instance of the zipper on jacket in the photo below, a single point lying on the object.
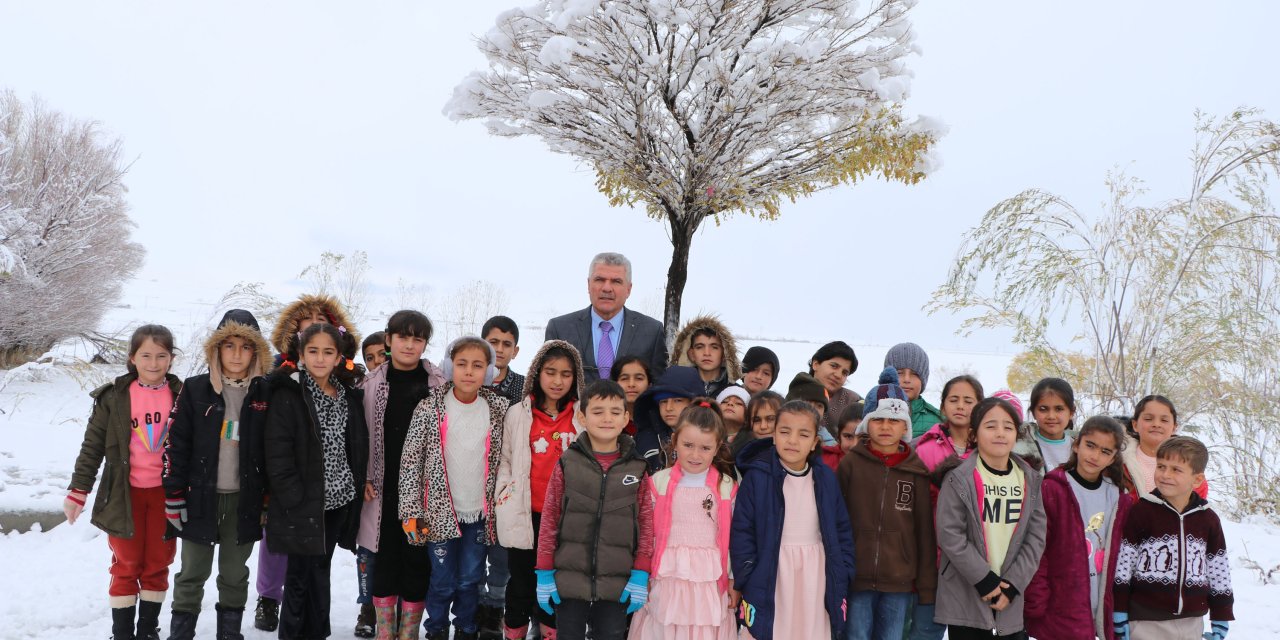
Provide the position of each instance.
(1182, 559)
(875, 566)
(595, 542)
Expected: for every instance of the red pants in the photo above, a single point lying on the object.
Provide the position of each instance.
(141, 563)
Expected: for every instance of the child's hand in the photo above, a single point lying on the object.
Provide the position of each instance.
(369, 492)
(1120, 624)
(73, 504)
(637, 590)
(735, 597)
(1217, 631)
(991, 597)
(547, 591)
(415, 532)
(1000, 603)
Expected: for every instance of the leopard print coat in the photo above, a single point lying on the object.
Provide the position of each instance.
(424, 481)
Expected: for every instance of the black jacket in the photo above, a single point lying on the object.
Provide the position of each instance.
(295, 468)
(191, 459)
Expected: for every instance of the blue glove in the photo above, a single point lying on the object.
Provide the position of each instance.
(1120, 622)
(637, 590)
(547, 591)
(1217, 631)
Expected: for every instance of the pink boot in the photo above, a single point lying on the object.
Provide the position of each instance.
(514, 634)
(411, 619)
(384, 611)
(548, 633)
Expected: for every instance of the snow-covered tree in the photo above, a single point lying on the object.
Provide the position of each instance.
(703, 108)
(64, 227)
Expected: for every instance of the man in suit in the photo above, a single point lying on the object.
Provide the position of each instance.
(607, 330)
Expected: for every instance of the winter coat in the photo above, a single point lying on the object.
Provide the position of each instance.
(599, 528)
(191, 453)
(1173, 565)
(934, 447)
(731, 363)
(1133, 472)
(376, 392)
(287, 327)
(893, 531)
(424, 480)
(295, 467)
(963, 564)
(512, 502)
(662, 486)
(106, 439)
(1057, 603)
(758, 516)
(923, 416)
(652, 434)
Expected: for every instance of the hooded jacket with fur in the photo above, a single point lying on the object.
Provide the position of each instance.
(191, 454)
(730, 363)
(512, 501)
(287, 325)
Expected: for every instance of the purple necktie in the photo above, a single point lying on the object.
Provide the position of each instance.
(604, 358)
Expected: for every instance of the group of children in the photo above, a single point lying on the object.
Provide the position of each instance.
(697, 505)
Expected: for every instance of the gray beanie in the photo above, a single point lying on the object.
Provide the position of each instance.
(909, 355)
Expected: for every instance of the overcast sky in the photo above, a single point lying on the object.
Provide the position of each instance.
(266, 133)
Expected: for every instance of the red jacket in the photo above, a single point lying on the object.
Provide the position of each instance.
(1057, 600)
(832, 454)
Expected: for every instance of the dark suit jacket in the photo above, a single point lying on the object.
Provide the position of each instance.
(643, 336)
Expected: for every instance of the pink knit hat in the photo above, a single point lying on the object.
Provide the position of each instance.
(1007, 395)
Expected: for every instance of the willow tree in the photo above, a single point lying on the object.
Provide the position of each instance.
(698, 109)
(1171, 297)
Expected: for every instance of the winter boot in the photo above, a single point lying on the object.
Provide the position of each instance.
(267, 616)
(515, 634)
(548, 633)
(489, 621)
(411, 620)
(182, 625)
(442, 634)
(365, 621)
(459, 634)
(229, 621)
(148, 620)
(122, 622)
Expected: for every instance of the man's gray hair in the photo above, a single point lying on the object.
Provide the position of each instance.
(611, 259)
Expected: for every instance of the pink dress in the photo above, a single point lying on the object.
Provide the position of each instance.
(800, 611)
(685, 602)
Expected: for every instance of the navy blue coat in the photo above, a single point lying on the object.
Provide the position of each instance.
(758, 515)
(652, 434)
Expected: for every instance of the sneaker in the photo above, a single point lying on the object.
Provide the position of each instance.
(366, 621)
(267, 616)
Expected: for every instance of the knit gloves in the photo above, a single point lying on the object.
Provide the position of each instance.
(547, 591)
(73, 504)
(1120, 622)
(637, 590)
(1217, 630)
(415, 531)
(175, 510)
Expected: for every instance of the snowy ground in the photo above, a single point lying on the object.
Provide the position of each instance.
(53, 582)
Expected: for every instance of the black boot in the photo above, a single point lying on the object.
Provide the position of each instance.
(182, 625)
(443, 634)
(148, 620)
(122, 622)
(365, 621)
(229, 623)
(489, 622)
(267, 617)
(459, 634)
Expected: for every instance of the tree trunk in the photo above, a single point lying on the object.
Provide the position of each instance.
(677, 275)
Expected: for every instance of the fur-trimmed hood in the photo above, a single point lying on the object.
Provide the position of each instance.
(261, 364)
(680, 351)
(287, 324)
(540, 357)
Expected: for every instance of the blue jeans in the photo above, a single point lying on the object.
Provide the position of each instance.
(457, 568)
(495, 587)
(874, 615)
(364, 573)
(922, 625)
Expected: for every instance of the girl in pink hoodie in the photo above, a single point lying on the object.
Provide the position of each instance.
(947, 439)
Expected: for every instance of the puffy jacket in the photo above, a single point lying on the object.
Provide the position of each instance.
(376, 391)
(758, 517)
(295, 467)
(106, 439)
(1057, 603)
(964, 564)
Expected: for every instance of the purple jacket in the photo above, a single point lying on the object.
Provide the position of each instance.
(1057, 600)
